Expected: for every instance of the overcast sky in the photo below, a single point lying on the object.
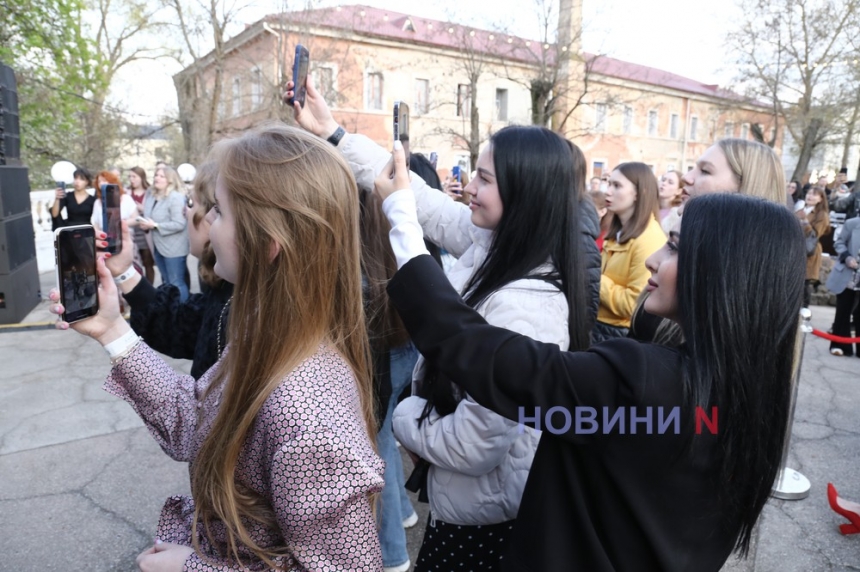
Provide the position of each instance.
(686, 37)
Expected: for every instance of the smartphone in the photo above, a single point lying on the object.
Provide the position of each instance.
(112, 217)
(61, 185)
(300, 74)
(75, 255)
(401, 120)
(457, 174)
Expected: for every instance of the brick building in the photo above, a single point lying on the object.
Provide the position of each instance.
(363, 59)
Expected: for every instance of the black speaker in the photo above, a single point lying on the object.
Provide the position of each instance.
(10, 133)
(14, 191)
(17, 242)
(20, 292)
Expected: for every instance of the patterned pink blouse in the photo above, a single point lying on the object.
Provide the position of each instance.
(308, 453)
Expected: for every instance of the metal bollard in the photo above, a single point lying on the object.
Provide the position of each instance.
(790, 484)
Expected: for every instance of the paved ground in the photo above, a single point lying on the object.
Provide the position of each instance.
(82, 483)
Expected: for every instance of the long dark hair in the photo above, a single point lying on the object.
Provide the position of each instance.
(540, 223)
(739, 304)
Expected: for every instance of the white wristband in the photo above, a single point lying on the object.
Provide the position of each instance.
(122, 346)
(125, 276)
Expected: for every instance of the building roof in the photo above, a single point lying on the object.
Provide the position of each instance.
(385, 24)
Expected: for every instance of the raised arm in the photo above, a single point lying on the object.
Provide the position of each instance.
(446, 223)
(511, 374)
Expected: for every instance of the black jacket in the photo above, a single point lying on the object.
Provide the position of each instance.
(183, 330)
(596, 502)
(589, 230)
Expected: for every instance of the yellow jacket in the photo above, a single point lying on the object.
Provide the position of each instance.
(624, 274)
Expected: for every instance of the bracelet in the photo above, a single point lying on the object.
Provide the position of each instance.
(335, 137)
(126, 276)
(122, 346)
(126, 353)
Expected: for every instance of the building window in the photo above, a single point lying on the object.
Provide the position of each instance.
(598, 168)
(745, 131)
(729, 131)
(237, 96)
(464, 101)
(628, 120)
(694, 128)
(256, 89)
(422, 96)
(670, 167)
(652, 123)
(600, 117)
(324, 81)
(673, 126)
(373, 90)
(501, 105)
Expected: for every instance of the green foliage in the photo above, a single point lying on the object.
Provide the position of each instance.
(43, 41)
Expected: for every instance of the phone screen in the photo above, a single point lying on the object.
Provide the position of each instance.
(112, 217)
(300, 74)
(401, 121)
(76, 272)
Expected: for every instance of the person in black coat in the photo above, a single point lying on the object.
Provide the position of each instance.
(618, 483)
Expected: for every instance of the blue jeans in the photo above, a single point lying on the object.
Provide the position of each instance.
(172, 272)
(395, 505)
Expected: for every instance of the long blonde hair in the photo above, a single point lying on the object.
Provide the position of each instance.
(174, 182)
(291, 191)
(756, 167)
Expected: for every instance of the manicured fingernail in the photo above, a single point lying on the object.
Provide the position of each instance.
(65, 326)
(158, 541)
(398, 145)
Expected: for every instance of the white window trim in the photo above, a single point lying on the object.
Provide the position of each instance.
(597, 127)
(415, 80)
(694, 136)
(632, 120)
(745, 131)
(656, 123)
(367, 73)
(508, 102)
(677, 118)
(236, 98)
(334, 73)
(257, 79)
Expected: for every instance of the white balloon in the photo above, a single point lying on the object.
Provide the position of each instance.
(186, 172)
(63, 171)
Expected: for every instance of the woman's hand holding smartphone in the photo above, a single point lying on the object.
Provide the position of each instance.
(315, 116)
(394, 176)
(106, 326)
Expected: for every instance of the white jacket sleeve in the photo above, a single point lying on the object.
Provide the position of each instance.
(96, 217)
(445, 222)
(473, 440)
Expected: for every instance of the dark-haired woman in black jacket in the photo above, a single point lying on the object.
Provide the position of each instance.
(651, 458)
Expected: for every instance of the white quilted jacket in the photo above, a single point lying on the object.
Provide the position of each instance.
(480, 459)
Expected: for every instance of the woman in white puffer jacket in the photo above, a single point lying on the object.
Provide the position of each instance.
(521, 265)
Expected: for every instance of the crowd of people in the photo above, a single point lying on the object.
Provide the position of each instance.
(325, 295)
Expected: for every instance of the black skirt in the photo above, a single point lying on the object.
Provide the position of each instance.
(454, 547)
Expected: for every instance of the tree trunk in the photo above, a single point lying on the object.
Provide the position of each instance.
(849, 136)
(474, 124)
(807, 146)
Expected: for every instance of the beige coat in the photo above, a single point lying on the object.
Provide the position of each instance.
(820, 223)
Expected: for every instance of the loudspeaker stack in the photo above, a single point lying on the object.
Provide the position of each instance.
(19, 271)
